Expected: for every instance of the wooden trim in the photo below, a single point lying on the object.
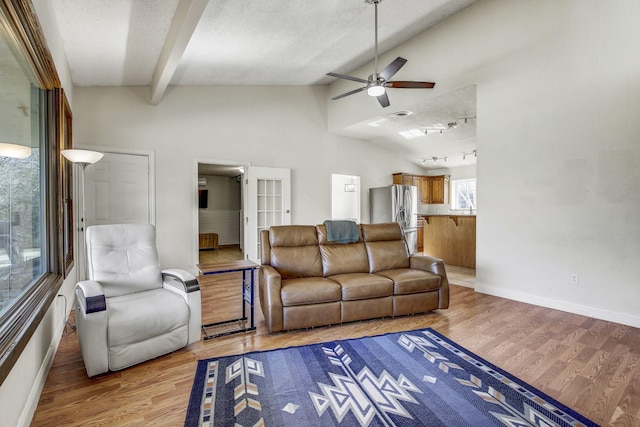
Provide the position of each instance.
(66, 180)
(20, 27)
(20, 24)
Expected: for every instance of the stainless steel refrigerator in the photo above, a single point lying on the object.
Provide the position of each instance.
(396, 203)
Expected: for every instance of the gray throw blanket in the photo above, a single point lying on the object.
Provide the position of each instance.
(341, 231)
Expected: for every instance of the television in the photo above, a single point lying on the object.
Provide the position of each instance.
(203, 199)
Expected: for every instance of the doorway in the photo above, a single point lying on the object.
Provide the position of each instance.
(220, 213)
(345, 197)
(264, 196)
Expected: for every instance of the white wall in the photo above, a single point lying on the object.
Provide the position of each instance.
(264, 126)
(558, 175)
(558, 101)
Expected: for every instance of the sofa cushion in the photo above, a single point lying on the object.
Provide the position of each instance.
(340, 258)
(294, 251)
(357, 286)
(381, 232)
(409, 281)
(309, 290)
(387, 255)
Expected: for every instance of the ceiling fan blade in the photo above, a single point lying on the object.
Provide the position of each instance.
(349, 93)
(410, 85)
(384, 100)
(342, 76)
(392, 68)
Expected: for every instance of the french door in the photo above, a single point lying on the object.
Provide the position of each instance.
(268, 202)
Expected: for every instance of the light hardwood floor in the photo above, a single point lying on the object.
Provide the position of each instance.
(590, 365)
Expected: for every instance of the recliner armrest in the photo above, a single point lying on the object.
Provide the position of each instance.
(91, 324)
(186, 285)
(181, 278)
(91, 296)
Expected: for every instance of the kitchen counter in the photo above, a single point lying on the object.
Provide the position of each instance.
(451, 237)
(454, 217)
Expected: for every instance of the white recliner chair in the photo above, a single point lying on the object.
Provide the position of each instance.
(129, 310)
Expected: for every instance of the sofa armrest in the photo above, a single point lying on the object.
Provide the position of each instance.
(91, 324)
(270, 284)
(435, 266)
(186, 285)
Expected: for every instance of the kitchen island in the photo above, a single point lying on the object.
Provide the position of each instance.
(451, 238)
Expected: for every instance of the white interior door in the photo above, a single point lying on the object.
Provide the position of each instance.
(118, 190)
(268, 202)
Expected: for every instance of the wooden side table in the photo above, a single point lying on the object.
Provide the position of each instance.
(246, 290)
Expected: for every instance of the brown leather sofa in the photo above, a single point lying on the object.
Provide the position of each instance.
(307, 281)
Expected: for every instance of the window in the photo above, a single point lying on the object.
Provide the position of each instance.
(21, 207)
(464, 194)
(32, 251)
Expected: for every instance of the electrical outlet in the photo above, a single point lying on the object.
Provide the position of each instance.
(574, 279)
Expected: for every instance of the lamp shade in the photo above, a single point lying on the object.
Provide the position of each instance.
(14, 150)
(82, 156)
(375, 90)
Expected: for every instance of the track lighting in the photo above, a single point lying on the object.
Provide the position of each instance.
(435, 159)
(474, 152)
(440, 128)
(466, 119)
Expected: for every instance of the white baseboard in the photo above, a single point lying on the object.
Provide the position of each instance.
(36, 390)
(461, 283)
(584, 310)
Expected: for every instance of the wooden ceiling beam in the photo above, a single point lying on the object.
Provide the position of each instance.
(185, 20)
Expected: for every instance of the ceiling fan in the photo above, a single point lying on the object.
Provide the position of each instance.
(377, 83)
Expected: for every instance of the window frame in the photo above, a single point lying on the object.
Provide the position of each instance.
(454, 193)
(19, 24)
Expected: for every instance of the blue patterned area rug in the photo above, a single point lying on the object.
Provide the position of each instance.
(415, 378)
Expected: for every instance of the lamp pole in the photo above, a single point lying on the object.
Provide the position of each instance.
(82, 158)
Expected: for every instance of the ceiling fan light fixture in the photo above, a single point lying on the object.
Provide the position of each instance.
(375, 90)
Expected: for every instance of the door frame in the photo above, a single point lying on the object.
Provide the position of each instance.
(195, 254)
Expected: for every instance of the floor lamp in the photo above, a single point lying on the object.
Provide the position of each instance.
(82, 158)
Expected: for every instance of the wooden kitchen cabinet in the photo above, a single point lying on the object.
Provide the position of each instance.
(403, 179)
(409, 179)
(208, 241)
(439, 189)
(417, 182)
(426, 190)
(420, 235)
(431, 189)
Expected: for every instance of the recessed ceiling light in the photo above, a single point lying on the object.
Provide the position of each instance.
(410, 134)
(402, 113)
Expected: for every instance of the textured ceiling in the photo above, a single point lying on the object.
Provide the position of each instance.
(246, 42)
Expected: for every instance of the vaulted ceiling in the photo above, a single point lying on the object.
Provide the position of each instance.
(245, 42)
